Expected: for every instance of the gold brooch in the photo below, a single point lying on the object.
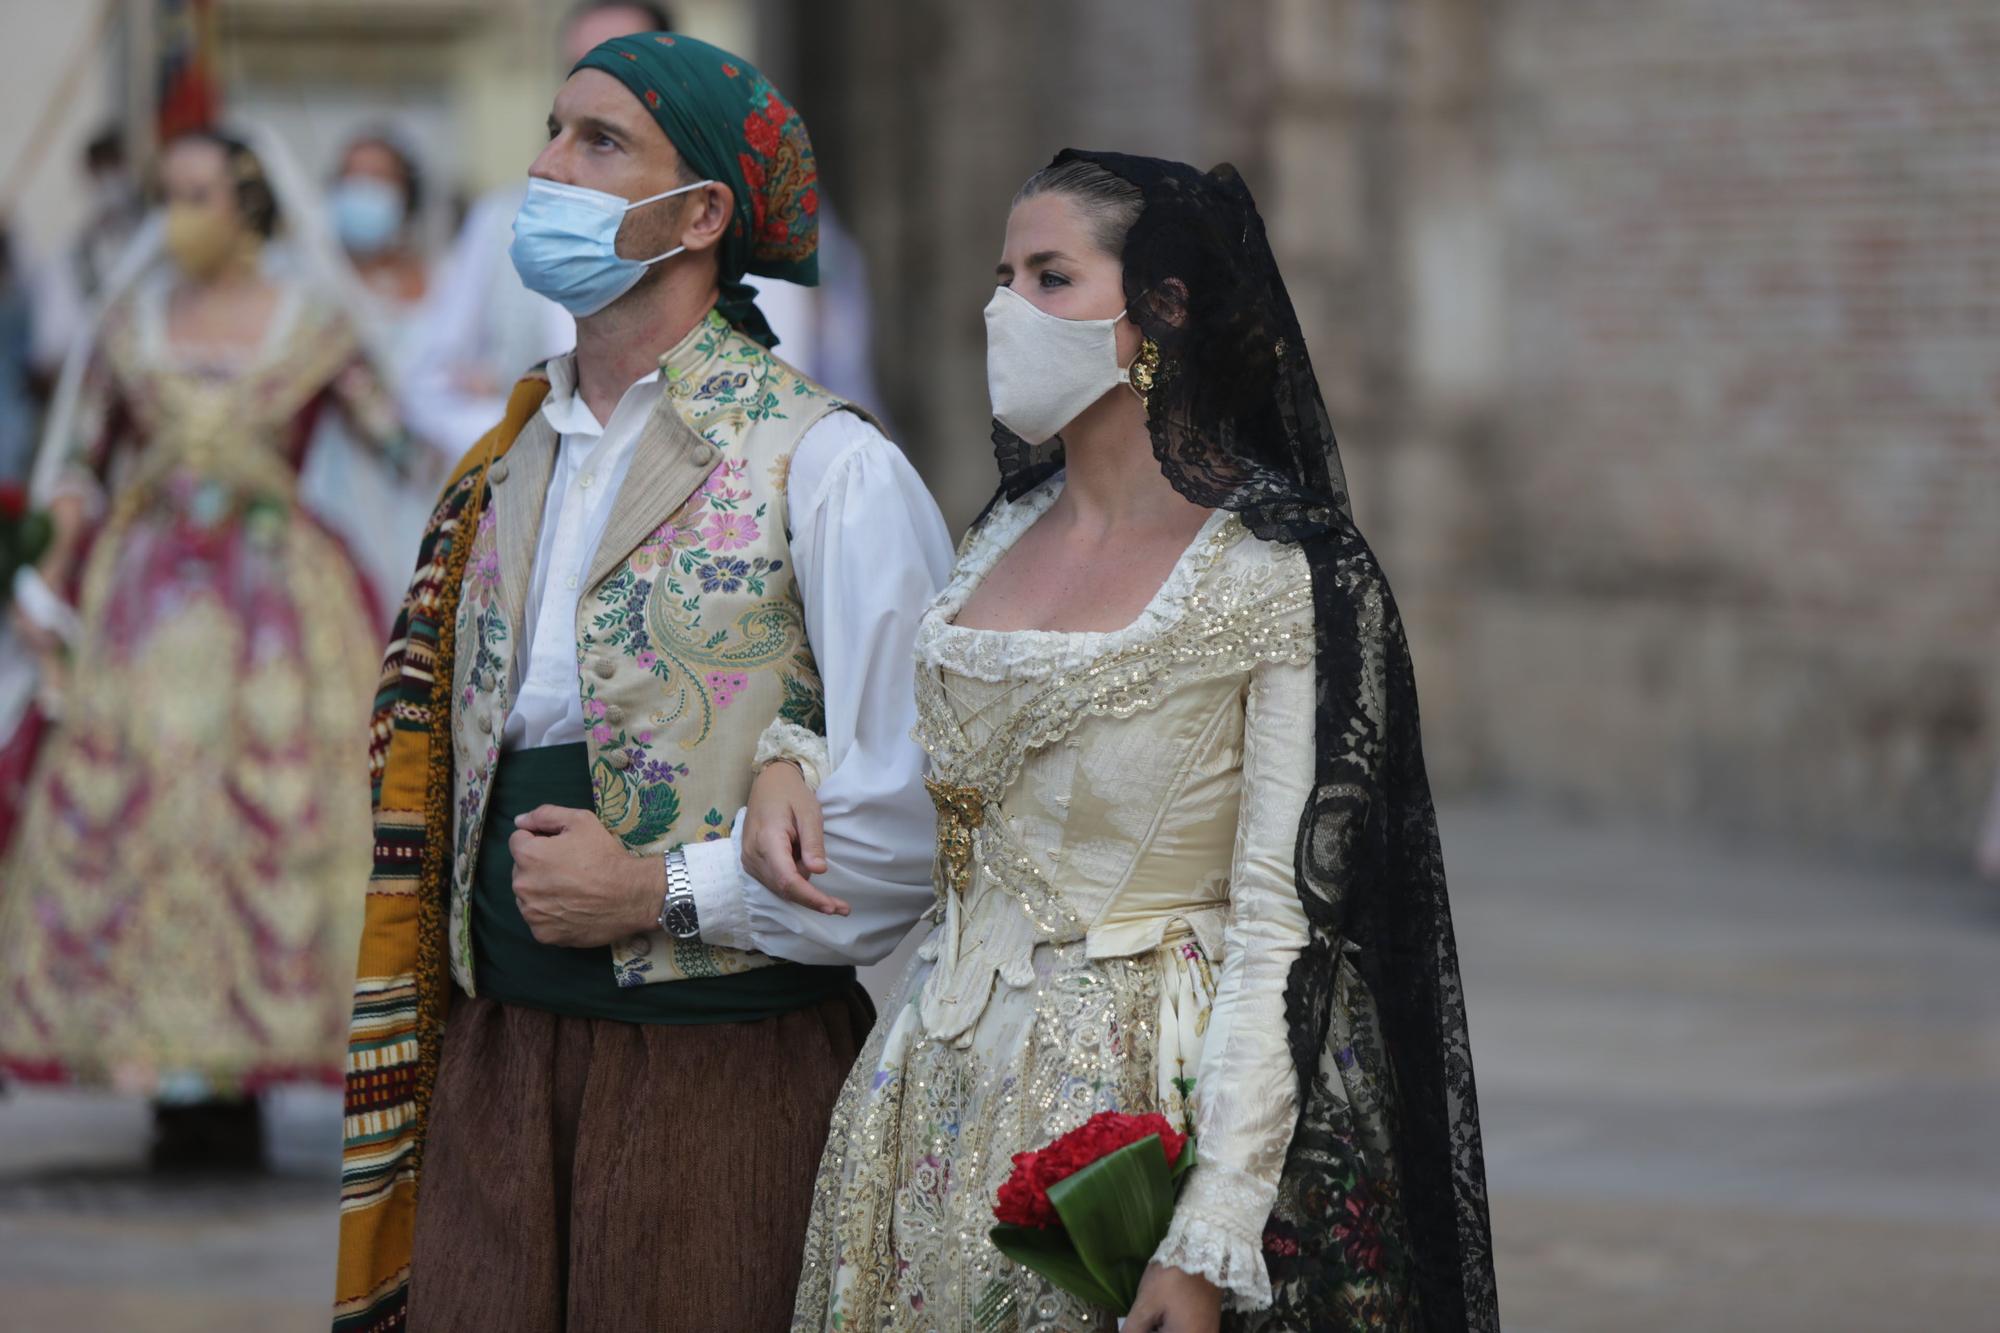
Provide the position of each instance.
(960, 810)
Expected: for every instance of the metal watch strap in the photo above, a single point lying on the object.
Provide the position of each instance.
(677, 909)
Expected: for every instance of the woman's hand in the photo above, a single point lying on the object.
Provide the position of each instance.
(43, 642)
(784, 840)
(41, 633)
(1171, 1301)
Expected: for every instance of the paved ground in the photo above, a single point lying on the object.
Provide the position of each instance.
(1724, 1089)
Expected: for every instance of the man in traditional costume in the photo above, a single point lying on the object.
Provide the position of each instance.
(605, 1054)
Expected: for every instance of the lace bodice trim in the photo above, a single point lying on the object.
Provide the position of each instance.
(1000, 655)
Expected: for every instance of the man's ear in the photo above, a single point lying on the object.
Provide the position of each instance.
(711, 209)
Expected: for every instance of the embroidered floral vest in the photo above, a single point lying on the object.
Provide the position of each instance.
(690, 634)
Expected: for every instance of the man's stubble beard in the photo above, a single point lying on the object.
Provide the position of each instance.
(647, 243)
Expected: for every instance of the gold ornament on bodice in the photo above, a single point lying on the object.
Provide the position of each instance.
(960, 810)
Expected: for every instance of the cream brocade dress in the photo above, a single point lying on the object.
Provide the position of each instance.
(1117, 937)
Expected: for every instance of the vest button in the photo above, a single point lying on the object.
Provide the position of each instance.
(604, 667)
(707, 454)
(619, 759)
(614, 714)
(486, 723)
(498, 472)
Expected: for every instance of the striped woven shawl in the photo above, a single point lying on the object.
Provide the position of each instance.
(403, 983)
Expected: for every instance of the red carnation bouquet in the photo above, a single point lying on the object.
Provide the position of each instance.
(1088, 1211)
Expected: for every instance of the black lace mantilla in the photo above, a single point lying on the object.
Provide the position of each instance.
(1356, 1240)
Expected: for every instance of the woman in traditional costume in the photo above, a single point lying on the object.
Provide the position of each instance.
(179, 905)
(1187, 860)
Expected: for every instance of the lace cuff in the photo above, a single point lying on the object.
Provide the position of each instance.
(38, 602)
(1218, 1233)
(784, 740)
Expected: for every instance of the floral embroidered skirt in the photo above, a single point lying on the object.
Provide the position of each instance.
(180, 906)
(925, 1132)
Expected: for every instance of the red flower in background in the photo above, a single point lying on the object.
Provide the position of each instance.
(13, 500)
(1024, 1198)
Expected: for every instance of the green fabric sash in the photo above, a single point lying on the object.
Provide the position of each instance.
(513, 967)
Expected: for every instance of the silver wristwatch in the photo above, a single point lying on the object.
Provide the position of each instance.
(677, 914)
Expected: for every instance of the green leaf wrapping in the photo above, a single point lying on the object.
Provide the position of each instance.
(1115, 1212)
(1048, 1251)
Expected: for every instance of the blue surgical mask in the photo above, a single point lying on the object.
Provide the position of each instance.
(566, 244)
(367, 214)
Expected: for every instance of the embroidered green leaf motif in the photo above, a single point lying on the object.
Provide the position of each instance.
(659, 807)
(804, 704)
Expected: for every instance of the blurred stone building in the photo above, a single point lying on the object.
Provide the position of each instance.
(1663, 340)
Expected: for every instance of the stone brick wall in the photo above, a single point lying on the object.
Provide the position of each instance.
(1741, 548)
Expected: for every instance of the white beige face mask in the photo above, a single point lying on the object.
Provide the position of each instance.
(1043, 370)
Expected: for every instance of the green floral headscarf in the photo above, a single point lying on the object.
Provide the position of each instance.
(732, 126)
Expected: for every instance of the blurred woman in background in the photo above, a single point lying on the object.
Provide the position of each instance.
(375, 210)
(178, 908)
(376, 202)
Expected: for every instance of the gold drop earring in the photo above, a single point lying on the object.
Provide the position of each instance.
(1145, 370)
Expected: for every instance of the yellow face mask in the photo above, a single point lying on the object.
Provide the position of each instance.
(201, 240)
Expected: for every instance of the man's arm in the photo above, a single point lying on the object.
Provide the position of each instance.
(871, 551)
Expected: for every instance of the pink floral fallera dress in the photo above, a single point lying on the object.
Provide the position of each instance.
(179, 907)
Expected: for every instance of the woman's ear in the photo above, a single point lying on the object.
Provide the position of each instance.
(710, 212)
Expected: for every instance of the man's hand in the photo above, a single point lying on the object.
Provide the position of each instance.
(784, 841)
(575, 883)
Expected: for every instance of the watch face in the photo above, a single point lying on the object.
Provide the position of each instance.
(680, 919)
